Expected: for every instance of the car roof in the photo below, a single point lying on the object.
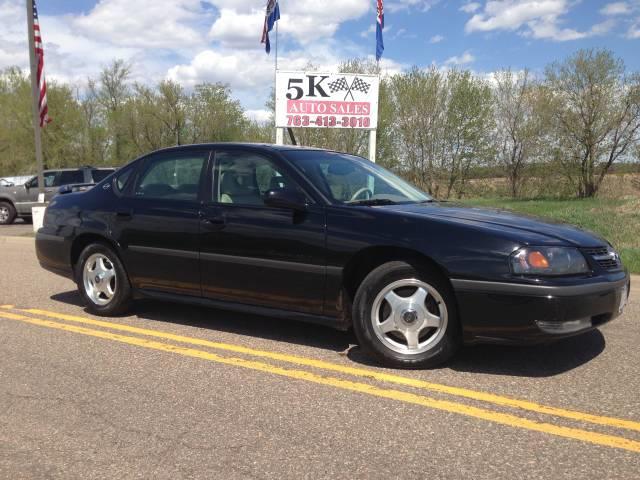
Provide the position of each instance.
(266, 146)
(76, 169)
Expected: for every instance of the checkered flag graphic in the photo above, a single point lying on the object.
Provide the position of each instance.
(339, 85)
(360, 85)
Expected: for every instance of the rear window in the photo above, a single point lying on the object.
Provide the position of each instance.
(68, 177)
(100, 174)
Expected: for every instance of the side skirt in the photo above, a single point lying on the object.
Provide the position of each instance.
(332, 322)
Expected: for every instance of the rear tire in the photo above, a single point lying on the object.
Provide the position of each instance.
(7, 213)
(405, 316)
(102, 281)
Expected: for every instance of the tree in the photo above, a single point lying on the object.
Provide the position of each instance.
(443, 123)
(420, 104)
(61, 139)
(467, 129)
(213, 116)
(519, 124)
(596, 111)
(112, 92)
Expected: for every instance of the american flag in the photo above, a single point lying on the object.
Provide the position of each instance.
(271, 16)
(42, 84)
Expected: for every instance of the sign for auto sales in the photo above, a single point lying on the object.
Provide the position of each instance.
(326, 100)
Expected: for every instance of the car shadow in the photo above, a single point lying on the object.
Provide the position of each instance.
(244, 324)
(530, 361)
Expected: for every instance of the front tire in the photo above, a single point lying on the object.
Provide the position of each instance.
(102, 280)
(405, 316)
(7, 213)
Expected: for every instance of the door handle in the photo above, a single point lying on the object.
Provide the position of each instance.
(213, 223)
(124, 214)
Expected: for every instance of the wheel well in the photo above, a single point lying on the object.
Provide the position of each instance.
(368, 259)
(8, 200)
(81, 242)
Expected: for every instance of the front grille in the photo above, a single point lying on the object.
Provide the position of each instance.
(605, 257)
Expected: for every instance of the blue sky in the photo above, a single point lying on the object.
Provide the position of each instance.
(218, 40)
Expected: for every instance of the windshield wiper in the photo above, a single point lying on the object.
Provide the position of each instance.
(372, 202)
(431, 200)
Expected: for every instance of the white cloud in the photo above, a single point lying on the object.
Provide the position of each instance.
(241, 69)
(470, 7)
(260, 116)
(250, 72)
(240, 24)
(634, 30)
(436, 39)
(370, 31)
(13, 35)
(238, 30)
(387, 30)
(532, 18)
(463, 59)
(602, 28)
(144, 23)
(399, 5)
(615, 8)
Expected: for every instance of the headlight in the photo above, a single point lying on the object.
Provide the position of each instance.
(548, 261)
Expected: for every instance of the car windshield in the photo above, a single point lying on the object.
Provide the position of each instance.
(351, 180)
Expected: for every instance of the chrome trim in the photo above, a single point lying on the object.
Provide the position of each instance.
(608, 256)
(163, 251)
(537, 290)
(265, 262)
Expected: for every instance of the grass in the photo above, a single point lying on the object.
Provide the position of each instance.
(616, 220)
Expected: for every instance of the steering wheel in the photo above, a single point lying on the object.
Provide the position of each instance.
(368, 194)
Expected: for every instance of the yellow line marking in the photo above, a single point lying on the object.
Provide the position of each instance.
(7, 306)
(452, 407)
(358, 372)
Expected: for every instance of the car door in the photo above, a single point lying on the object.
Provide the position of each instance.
(27, 195)
(255, 254)
(157, 222)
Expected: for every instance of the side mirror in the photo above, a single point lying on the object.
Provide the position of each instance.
(65, 189)
(285, 198)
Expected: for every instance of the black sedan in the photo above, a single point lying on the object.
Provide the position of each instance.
(330, 238)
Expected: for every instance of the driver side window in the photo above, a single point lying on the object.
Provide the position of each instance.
(243, 178)
(49, 179)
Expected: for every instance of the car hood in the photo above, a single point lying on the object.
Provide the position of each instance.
(529, 227)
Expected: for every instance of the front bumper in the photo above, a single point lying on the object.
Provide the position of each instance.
(517, 313)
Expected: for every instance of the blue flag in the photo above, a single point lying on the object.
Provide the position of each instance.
(379, 27)
(271, 16)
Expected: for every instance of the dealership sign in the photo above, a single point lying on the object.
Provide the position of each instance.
(326, 100)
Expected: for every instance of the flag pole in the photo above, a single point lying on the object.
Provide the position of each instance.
(276, 46)
(35, 88)
(279, 131)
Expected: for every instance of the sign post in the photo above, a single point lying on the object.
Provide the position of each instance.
(327, 100)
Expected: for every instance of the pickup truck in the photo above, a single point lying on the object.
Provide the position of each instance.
(16, 200)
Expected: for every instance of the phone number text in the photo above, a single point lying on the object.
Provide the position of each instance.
(328, 121)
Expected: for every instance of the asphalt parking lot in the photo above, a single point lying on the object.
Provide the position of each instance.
(19, 228)
(183, 392)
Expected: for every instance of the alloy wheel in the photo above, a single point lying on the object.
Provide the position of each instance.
(409, 316)
(4, 214)
(99, 279)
